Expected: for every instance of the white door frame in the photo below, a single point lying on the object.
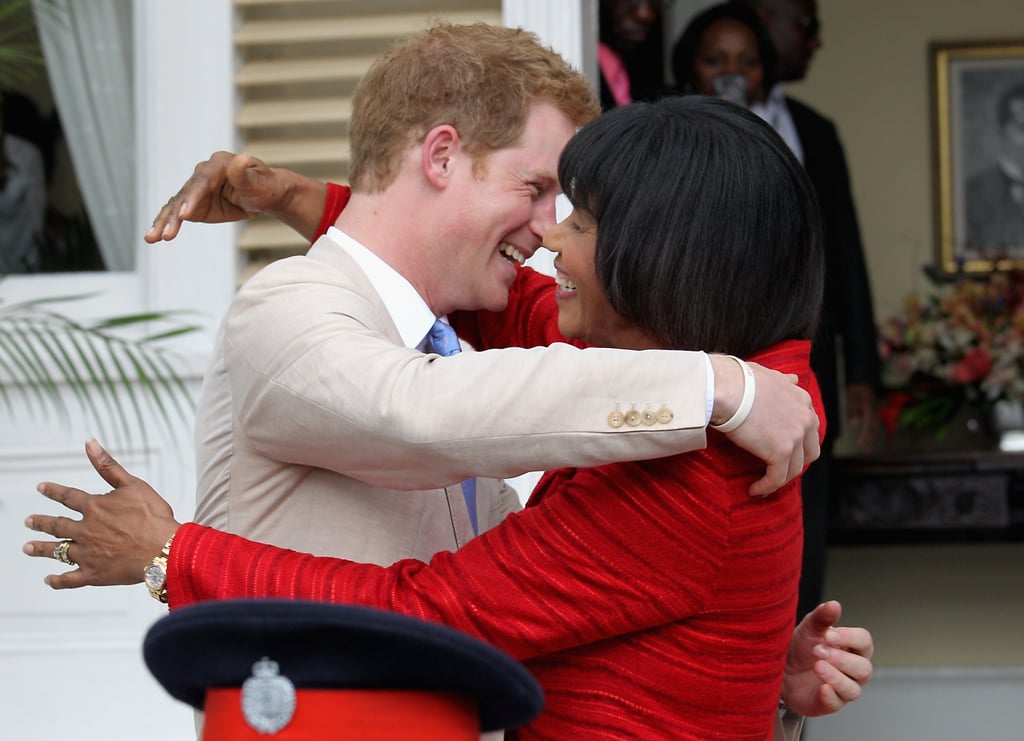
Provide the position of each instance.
(569, 26)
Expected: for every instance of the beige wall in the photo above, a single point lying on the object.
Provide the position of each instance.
(872, 78)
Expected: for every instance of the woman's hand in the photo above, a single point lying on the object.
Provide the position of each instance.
(827, 667)
(116, 538)
(234, 187)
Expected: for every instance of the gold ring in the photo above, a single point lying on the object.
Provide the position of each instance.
(60, 552)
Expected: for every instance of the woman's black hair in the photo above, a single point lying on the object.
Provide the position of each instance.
(708, 229)
(684, 53)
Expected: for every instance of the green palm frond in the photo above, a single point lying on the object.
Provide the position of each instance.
(110, 371)
(20, 56)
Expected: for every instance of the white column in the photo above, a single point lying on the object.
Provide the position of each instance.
(568, 26)
(185, 106)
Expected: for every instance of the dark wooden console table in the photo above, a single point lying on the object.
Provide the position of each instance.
(928, 497)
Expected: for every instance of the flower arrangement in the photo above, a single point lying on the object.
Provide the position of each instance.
(963, 344)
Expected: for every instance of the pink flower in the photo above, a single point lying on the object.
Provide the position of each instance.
(973, 367)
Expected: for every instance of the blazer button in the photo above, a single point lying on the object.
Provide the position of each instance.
(633, 418)
(665, 415)
(616, 419)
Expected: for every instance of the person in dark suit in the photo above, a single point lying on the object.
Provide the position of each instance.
(629, 53)
(995, 195)
(848, 314)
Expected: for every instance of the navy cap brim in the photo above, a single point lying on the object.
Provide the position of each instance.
(324, 646)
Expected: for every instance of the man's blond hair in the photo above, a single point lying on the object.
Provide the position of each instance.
(480, 79)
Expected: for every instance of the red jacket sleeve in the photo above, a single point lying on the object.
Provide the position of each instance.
(610, 551)
(337, 199)
(599, 553)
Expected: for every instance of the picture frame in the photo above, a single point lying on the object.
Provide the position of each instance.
(978, 154)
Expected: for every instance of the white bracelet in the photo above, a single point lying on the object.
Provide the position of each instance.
(746, 403)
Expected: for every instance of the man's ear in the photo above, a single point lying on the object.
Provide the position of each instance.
(440, 148)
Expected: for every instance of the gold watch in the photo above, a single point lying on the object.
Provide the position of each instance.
(155, 574)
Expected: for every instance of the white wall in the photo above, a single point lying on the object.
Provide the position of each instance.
(938, 705)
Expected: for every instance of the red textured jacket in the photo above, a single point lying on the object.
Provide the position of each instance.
(652, 599)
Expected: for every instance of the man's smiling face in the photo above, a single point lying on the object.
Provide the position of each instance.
(504, 207)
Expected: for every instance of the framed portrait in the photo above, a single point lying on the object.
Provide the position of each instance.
(978, 132)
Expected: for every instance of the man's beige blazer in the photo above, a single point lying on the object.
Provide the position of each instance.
(318, 430)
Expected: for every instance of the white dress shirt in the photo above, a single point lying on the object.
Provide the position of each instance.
(775, 111)
(410, 313)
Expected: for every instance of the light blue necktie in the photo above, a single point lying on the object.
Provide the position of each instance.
(445, 341)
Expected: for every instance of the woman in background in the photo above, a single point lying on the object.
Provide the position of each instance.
(725, 52)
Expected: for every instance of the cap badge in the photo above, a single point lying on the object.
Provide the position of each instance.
(268, 699)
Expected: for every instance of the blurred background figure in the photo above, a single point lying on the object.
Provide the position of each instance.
(22, 202)
(848, 321)
(630, 52)
(43, 225)
(725, 51)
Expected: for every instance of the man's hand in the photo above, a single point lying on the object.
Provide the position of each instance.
(118, 535)
(827, 667)
(233, 187)
(782, 428)
(862, 411)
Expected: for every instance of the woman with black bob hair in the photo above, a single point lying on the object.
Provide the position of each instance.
(715, 243)
(651, 599)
